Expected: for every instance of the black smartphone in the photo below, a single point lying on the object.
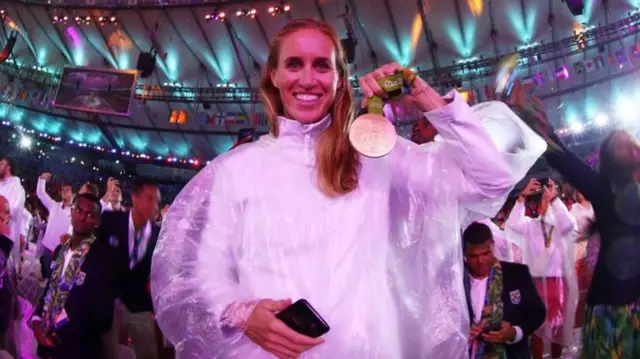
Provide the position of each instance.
(492, 328)
(301, 317)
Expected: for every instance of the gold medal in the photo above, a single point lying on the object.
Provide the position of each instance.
(372, 134)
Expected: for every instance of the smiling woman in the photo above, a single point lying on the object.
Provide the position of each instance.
(371, 244)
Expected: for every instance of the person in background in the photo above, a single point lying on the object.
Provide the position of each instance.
(245, 135)
(11, 188)
(27, 227)
(423, 132)
(90, 188)
(504, 305)
(612, 319)
(115, 199)
(8, 298)
(587, 250)
(547, 244)
(76, 308)
(59, 220)
(135, 234)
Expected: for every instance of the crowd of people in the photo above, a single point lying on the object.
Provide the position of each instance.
(421, 253)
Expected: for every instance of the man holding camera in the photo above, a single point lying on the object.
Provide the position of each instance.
(545, 230)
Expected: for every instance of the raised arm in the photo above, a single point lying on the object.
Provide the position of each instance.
(42, 194)
(577, 173)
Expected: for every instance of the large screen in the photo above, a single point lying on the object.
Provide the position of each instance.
(106, 91)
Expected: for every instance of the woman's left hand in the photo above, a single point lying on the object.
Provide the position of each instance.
(421, 96)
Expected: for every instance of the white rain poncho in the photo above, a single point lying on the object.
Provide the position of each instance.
(557, 261)
(382, 265)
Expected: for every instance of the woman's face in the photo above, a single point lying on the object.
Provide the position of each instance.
(625, 150)
(306, 75)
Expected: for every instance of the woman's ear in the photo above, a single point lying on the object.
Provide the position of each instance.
(272, 76)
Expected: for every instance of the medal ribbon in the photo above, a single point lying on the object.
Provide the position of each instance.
(395, 86)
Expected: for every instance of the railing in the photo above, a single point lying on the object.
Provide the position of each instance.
(446, 77)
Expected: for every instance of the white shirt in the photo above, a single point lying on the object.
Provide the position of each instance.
(59, 218)
(478, 296)
(560, 226)
(27, 225)
(12, 190)
(254, 224)
(144, 241)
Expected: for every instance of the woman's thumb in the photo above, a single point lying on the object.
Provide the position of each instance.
(277, 305)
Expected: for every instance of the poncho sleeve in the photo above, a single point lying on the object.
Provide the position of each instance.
(483, 152)
(192, 280)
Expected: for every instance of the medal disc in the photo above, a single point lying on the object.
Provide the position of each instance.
(372, 135)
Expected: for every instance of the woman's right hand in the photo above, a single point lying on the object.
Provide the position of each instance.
(272, 335)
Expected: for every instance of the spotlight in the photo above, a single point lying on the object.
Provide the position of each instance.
(247, 13)
(216, 15)
(60, 20)
(3, 14)
(25, 142)
(279, 9)
(601, 119)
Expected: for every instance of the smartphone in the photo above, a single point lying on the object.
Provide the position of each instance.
(304, 319)
(492, 328)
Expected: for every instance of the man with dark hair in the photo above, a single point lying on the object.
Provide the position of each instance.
(76, 308)
(135, 234)
(11, 189)
(504, 306)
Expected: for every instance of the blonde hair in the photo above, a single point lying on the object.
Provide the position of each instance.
(338, 163)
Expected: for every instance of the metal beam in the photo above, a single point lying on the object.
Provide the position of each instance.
(63, 50)
(394, 28)
(319, 9)
(262, 31)
(26, 36)
(372, 52)
(232, 37)
(428, 36)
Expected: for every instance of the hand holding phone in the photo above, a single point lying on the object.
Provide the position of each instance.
(304, 319)
(273, 335)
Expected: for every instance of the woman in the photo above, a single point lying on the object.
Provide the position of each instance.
(300, 214)
(612, 320)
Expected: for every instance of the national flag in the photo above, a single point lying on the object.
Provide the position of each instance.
(599, 61)
(579, 67)
(230, 118)
(613, 59)
(589, 66)
(489, 93)
(621, 56)
(241, 119)
(538, 79)
(562, 73)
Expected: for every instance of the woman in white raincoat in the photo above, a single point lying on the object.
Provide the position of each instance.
(300, 214)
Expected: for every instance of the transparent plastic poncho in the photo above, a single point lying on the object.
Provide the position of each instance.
(559, 291)
(382, 265)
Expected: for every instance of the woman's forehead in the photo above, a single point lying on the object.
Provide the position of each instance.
(307, 43)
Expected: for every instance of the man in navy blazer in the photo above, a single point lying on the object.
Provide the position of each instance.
(135, 235)
(523, 310)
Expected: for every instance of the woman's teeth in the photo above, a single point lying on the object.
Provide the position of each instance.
(306, 97)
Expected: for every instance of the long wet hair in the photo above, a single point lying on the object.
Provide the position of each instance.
(338, 163)
(617, 175)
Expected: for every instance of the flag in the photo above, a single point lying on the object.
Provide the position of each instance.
(589, 66)
(241, 119)
(579, 67)
(635, 52)
(562, 73)
(621, 56)
(613, 60)
(220, 118)
(599, 61)
(230, 118)
(538, 78)
(489, 93)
